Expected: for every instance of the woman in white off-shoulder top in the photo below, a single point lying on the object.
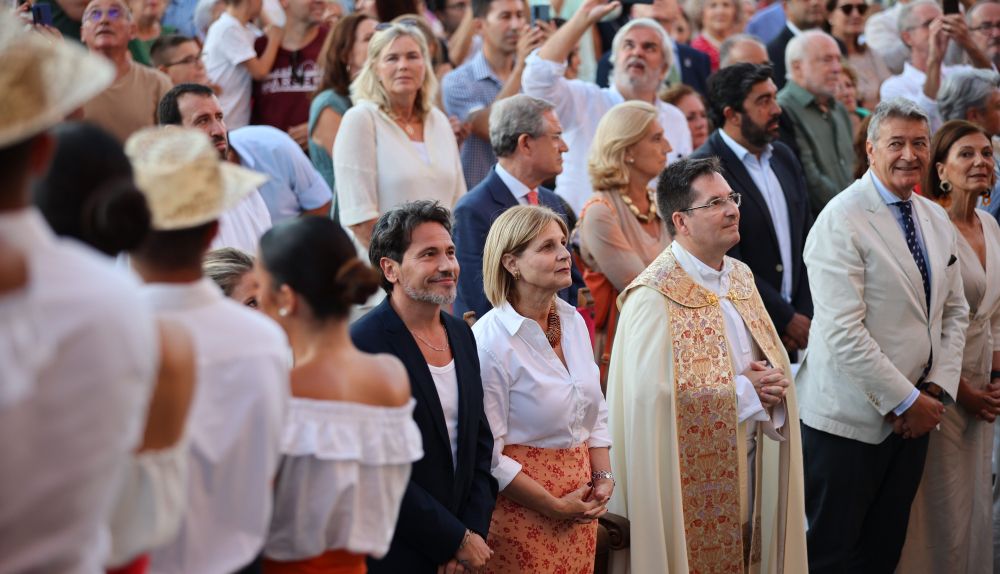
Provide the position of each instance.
(349, 437)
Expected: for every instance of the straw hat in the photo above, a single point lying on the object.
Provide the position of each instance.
(184, 181)
(41, 80)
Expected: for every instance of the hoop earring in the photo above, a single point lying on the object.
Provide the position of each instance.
(986, 197)
(945, 186)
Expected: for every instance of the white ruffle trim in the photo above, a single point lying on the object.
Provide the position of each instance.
(367, 434)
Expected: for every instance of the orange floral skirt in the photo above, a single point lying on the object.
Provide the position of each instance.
(526, 541)
(332, 562)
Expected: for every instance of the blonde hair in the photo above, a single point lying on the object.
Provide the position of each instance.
(622, 127)
(367, 85)
(511, 233)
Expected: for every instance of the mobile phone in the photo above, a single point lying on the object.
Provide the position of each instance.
(540, 12)
(950, 6)
(41, 14)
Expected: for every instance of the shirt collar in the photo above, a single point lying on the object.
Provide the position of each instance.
(799, 94)
(181, 296)
(910, 71)
(512, 321)
(887, 196)
(517, 189)
(742, 152)
(481, 69)
(716, 281)
(26, 229)
(795, 29)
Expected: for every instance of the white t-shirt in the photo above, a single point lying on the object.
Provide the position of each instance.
(242, 226)
(446, 382)
(227, 45)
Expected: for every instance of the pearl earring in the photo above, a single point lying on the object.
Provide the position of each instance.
(282, 312)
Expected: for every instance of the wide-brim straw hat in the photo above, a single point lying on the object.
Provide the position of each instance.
(184, 181)
(42, 80)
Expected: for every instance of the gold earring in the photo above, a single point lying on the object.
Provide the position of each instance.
(517, 275)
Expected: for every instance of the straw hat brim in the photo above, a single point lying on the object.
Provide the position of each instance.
(42, 81)
(237, 182)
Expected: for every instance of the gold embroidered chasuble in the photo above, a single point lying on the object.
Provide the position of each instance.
(705, 443)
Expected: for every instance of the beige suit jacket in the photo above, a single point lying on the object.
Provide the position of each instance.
(872, 334)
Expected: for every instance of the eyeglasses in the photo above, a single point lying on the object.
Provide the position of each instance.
(96, 15)
(986, 27)
(926, 24)
(849, 9)
(186, 61)
(734, 197)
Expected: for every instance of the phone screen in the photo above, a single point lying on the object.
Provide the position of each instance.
(540, 12)
(950, 6)
(41, 14)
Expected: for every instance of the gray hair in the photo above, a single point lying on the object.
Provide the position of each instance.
(904, 22)
(966, 90)
(897, 107)
(729, 43)
(796, 49)
(665, 43)
(513, 116)
(971, 12)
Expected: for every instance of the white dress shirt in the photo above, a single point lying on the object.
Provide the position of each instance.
(242, 226)
(910, 85)
(768, 185)
(517, 189)
(530, 397)
(85, 364)
(345, 467)
(235, 428)
(580, 106)
(742, 349)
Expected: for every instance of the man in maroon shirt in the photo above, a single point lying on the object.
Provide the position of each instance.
(282, 98)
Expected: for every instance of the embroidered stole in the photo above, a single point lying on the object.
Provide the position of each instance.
(711, 442)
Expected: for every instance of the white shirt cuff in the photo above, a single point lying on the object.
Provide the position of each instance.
(907, 402)
(505, 471)
(748, 404)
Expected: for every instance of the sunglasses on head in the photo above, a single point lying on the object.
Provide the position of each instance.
(849, 9)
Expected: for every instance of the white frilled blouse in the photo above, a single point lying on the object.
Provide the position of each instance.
(344, 470)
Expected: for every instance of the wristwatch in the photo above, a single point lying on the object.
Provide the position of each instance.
(934, 390)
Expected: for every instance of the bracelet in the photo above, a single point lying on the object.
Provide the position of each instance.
(602, 474)
(994, 375)
(465, 539)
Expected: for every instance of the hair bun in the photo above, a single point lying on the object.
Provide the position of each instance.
(115, 217)
(355, 282)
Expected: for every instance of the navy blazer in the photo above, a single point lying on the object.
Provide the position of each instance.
(776, 53)
(758, 247)
(442, 500)
(695, 68)
(474, 215)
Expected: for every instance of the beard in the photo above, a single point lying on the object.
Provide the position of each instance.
(756, 135)
(428, 296)
(649, 80)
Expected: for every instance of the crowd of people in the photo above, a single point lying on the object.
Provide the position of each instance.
(408, 286)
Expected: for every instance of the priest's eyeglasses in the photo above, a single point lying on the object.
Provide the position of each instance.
(719, 202)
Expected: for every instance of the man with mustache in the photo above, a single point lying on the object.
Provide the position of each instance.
(820, 124)
(293, 188)
(885, 348)
(129, 104)
(445, 515)
(642, 56)
(775, 215)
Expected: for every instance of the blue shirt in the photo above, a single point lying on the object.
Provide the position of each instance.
(180, 15)
(469, 88)
(766, 24)
(293, 184)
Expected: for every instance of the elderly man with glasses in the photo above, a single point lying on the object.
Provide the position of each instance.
(698, 378)
(927, 32)
(129, 104)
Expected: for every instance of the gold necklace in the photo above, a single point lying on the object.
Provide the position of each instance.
(406, 124)
(426, 342)
(643, 217)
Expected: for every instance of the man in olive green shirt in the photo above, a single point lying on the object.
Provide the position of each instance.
(821, 124)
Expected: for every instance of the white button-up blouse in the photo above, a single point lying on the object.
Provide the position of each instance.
(530, 397)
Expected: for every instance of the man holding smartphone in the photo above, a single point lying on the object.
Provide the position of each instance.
(492, 74)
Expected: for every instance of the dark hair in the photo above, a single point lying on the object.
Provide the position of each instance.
(88, 192)
(944, 138)
(394, 230)
(316, 259)
(730, 86)
(176, 249)
(14, 167)
(674, 192)
(163, 44)
(388, 10)
(861, 148)
(335, 55)
(168, 113)
(481, 8)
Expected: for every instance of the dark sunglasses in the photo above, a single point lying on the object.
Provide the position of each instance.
(849, 9)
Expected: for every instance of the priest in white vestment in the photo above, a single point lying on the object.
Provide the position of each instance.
(702, 412)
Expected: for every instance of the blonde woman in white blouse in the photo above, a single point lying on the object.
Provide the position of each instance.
(394, 146)
(350, 438)
(543, 398)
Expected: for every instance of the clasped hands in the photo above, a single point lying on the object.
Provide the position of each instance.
(922, 417)
(471, 557)
(769, 382)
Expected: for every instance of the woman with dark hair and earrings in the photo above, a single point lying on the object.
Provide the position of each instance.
(349, 435)
(950, 526)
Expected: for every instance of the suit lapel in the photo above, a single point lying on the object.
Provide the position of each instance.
(500, 193)
(882, 219)
(424, 389)
(786, 178)
(734, 167)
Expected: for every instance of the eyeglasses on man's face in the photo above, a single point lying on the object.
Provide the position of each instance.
(113, 13)
(986, 27)
(186, 61)
(718, 202)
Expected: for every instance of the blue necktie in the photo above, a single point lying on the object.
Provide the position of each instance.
(910, 230)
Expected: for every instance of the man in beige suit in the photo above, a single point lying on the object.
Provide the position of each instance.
(885, 349)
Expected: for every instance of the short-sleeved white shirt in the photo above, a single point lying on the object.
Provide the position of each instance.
(228, 45)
